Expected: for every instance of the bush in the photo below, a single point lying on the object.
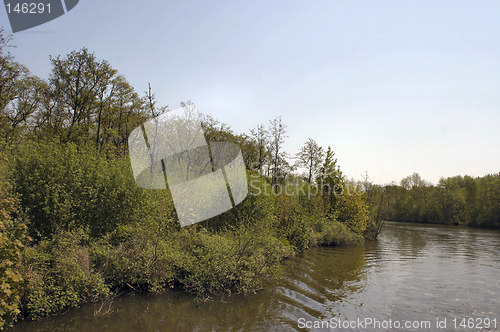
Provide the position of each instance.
(136, 258)
(291, 223)
(200, 261)
(12, 237)
(233, 262)
(353, 211)
(334, 233)
(96, 231)
(59, 275)
(63, 187)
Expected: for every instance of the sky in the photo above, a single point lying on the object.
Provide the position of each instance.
(394, 87)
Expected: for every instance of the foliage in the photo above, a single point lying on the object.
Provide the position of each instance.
(65, 187)
(455, 200)
(12, 239)
(233, 262)
(331, 180)
(310, 156)
(136, 257)
(352, 211)
(334, 233)
(200, 261)
(59, 275)
(85, 101)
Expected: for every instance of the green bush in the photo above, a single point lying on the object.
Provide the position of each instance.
(12, 237)
(96, 231)
(200, 261)
(59, 275)
(353, 211)
(136, 258)
(291, 222)
(63, 187)
(233, 262)
(334, 233)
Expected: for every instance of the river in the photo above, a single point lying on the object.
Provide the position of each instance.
(413, 274)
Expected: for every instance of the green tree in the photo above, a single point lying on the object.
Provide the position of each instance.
(80, 81)
(22, 111)
(310, 157)
(330, 179)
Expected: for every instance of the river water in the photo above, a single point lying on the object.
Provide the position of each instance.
(413, 274)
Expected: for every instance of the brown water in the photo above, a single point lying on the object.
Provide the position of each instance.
(412, 273)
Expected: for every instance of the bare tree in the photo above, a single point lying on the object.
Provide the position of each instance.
(151, 103)
(260, 137)
(277, 135)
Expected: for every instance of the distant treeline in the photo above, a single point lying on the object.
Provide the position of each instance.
(459, 200)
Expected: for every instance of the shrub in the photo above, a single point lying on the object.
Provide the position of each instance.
(97, 231)
(59, 275)
(12, 237)
(63, 187)
(353, 211)
(291, 223)
(334, 233)
(233, 262)
(136, 257)
(201, 261)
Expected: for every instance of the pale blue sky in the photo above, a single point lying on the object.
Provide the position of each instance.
(395, 87)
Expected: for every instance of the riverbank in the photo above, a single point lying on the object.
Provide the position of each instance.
(71, 270)
(471, 225)
(429, 271)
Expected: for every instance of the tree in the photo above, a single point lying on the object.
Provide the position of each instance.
(277, 135)
(10, 72)
(22, 108)
(84, 101)
(310, 157)
(216, 131)
(330, 179)
(413, 181)
(260, 137)
(80, 83)
(119, 111)
(11, 77)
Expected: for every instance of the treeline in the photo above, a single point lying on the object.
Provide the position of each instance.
(84, 100)
(458, 200)
(75, 228)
